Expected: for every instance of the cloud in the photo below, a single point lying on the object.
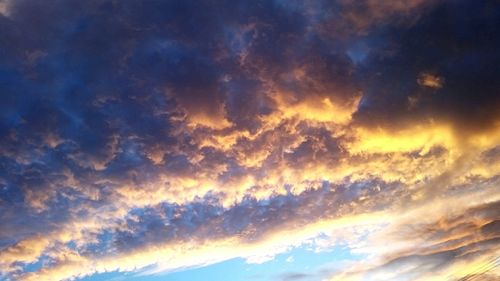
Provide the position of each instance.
(4, 8)
(295, 276)
(429, 80)
(131, 137)
(425, 244)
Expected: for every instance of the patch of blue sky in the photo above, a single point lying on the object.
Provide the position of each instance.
(301, 261)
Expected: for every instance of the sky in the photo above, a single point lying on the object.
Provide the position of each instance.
(238, 140)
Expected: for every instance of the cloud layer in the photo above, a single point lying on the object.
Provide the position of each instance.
(170, 134)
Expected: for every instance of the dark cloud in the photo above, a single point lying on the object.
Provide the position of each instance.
(456, 42)
(250, 220)
(295, 276)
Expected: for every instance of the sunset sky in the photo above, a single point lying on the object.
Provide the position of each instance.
(247, 140)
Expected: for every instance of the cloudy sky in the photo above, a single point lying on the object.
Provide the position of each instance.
(241, 140)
